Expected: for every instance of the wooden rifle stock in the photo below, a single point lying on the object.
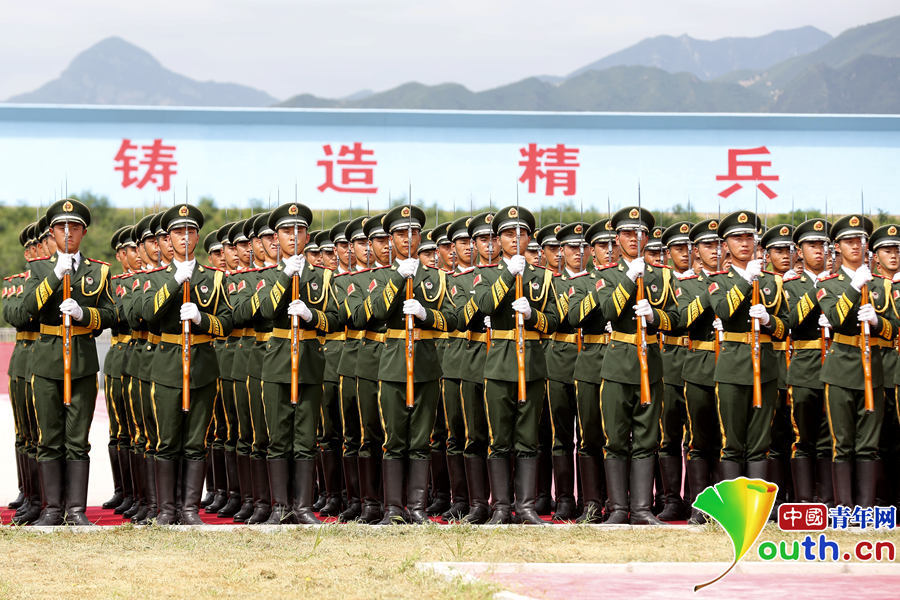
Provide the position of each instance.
(410, 351)
(866, 353)
(520, 344)
(67, 344)
(186, 354)
(642, 346)
(754, 352)
(295, 342)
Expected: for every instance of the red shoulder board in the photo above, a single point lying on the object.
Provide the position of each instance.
(136, 284)
(678, 292)
(821, 293)
(606, 266)
(689, 277)
(713, 287)
(880, 276)
(232, 288)
(146, 285)
(373, 285)
(463, 272)
(658, 266)
(260, 284)
(489, 266)
(98, 261)
(577, 275)
(211, 268)
(336, 275)
(242, 285)
(558, 275)
(155, 270)
(37, 259)
(601, 283)
(382, 267)
(832, 276)
(366, 270)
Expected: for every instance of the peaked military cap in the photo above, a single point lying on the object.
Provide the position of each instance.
(338, 233)
(513, 216)
(115, 242)
(182, 215)
(68, 210)
(654, 239)
(631, 218)
(311, 245)
(354, 229)
(403, 217)
(571, 234)
(600, 232)
(143, 228)
(533, 245)
(480, 224)
(247, 227)
(778, 235)
(372, 226)
(851, 226)
(677, 233)
(427, 242)
(813, 230)
(127, 237)
(41, 229)
(290, 214)
(886, 235)
(211, 242)
(236, 233)
(26, 236)
(547, 235)
(156, 225)
(222, 233)
(440, 233)
(705, 231)
(261, 225)
(459, 229)
(323, 240)
(739, 222)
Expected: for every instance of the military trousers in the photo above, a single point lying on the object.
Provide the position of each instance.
(118, 413)
(230, 413)
(631, 429)
(219, 430)
(259, 447)
(182, 434)
(292, 427)
(371, 431)
(673, 420)
(854, 432)
(474, 419)
(439, 432)
(330, 434)
(590, 423)
(452, 408)
(407, 431)
(150, 433)
(782, 428)
(350, 423)
(746, 431)
(809, 419)
(17, 400)
(132, 387)
(704, 430)
(62, 430)
(244, 434)
(563, 410)
(513, 427)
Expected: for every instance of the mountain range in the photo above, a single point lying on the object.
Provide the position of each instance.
(802, 70)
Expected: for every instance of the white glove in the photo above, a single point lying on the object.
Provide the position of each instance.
(64, 264)
(635, 268)
(867, 314)
(717, 324)
(608, 327)
(896, 277)
(487, 322)
(292, 265)
(517, 264)
(298, 308)
(754, 268)
(415, 308)
(407, 267)
(71, 308)
(758, 311)
(521, 305)
(183, 271)
(823, 321)
(643, 309)
(862, 276)
(791, 274)
(190, 312)
(686, 274)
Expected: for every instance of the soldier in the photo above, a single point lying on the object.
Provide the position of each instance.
(746, 421)
(292, 427)
(259, 247)
(512, 423)
(62, 448)
(181, 434)
(675, 347)
(698, 319)
(624, 412)
(654, 251)
(427, 252)
(855, 424)
(311, 250)
(446, 254)
(604, 245)
(407, 429)
(811, 450)
(779, 245)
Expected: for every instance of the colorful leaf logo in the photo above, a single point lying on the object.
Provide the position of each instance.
(742, 507)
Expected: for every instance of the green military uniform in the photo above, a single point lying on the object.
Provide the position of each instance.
(292, 427)
(513, 422)
(855, 428)
(464, 357)
(746, 429)
(810, 458)
(696, 317)
(588, 380)
(630, 424)
(407, 430)
(673, 416)
(181, 435)
(62, 448)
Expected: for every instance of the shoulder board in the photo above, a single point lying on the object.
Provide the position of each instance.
(560, 275)
(879, 276)
(769, 272)
(832, 276)
(10, 277)
(100, 262)
(582, 274)
(379, 268)
(156, 269)
(447, 271)
(342, 274)
(606, 266)
(725, 272)
(211, 268)
(660, 266)
(490, 266)
(357, 272)
(689, 277)
(37, 259)
(464, 271)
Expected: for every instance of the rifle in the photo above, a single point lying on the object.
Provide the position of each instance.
(641, 322)
(295, 323)
(410, 324)
(520, 320)
(717, 341)
(186, 338)
(754, 335)
(67, 333)
(865, 347)
(579, 335)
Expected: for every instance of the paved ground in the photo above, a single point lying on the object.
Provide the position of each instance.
(673, 581)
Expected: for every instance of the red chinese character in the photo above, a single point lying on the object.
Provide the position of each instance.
(755, 174)
(357, 174)
(557, 168)
(158, 159)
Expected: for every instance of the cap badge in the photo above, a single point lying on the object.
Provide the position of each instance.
(557, 228)
(818, 225)
(487, 218)
(854, 221)
(657, 233)
(293, 210)
(743, 218)
(514, 213)
(183, 211)
(784, 230)
(404, 212)
(713, 225)
(634, 214)
(578, 229)
(67, 206)
(892, 230)
(684, 228)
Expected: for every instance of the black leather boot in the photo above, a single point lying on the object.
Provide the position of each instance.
(459, 488)
(526, 491)
(417, 490)
(234, 487)
(138, 510)
(278, 485)
(127, 481)
(118, 496)
(166, 482)
(758, 469)
(440, 485)
(842, 475)
(392, 474)
(20, 482)
(729, 469)
(641, 491)
(479, 491)
(150, 491)
(220, 477)
(304, 473)
(351, 482)
(26, 490)
(543, 500)
(262, 499)
(210, 482)
(866, 474)
(674, 508)
(331, 464)
(589, 469)
(501, 488)
(564, 472)
(698, 475)
(617, 488)
(52, 483)
(824, 482)
(31, 511)
(194, 474)
(802, 472)
(76, 491)
(370, 488)
(245, 481)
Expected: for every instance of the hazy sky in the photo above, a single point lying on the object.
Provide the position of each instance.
(336, 47)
